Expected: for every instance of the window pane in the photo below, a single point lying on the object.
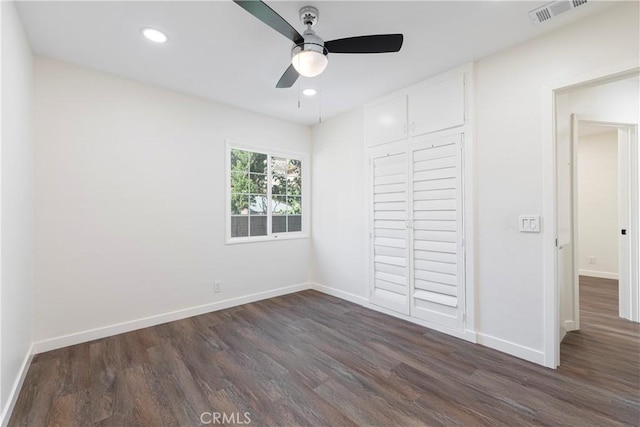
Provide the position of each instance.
(258, 163)
(294, 168)
(295, 223)
(258, 225)
(279, 224)
(239, 226)
(278, 165)
(279, 205)
(258, 204)
(294, 185)
(239, 160)
(294, 205)
(239, 204)
(278, 184)
(239, 182)
(258, 183)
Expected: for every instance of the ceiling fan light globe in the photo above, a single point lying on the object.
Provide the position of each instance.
(309, 63)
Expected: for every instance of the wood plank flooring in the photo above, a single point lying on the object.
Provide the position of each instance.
(308, 359)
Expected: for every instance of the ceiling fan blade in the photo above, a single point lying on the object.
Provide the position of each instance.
(288, 78)
(380, 43)
(267, 15)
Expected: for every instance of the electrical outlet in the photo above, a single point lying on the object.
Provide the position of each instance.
(592, 260)
(216, 287)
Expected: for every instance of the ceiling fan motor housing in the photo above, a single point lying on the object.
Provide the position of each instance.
(311, 42)
(309, 17)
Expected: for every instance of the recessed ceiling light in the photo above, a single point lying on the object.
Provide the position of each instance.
(155, 35)
(309, 92)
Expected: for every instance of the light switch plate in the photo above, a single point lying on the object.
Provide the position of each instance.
(529, 223)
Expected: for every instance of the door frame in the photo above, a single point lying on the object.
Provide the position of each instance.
(551, 315)
(629, 296)
(628, 304)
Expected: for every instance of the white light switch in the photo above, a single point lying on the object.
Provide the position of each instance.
(529, 223)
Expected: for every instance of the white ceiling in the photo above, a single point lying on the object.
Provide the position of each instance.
(218, 51)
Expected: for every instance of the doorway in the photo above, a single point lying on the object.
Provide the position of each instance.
(602, 200)
(596, 196)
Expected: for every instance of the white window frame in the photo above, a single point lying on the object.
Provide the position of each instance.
(306, 207)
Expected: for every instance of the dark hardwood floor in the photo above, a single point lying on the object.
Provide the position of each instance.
(311, 359)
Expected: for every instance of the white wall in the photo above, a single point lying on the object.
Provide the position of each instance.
(509, 173)
(615, 101)
(130, 195)
(16, 202)
(338, 225)
(598, 204)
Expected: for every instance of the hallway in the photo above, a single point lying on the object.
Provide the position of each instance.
(606, 351)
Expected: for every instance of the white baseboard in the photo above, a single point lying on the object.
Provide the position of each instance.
(599, 274)
(15, 390)
(517, 350)
(132, 325)
(570, 325)
(347, 296)
(357, 299)
(513, 349)
(567, 326)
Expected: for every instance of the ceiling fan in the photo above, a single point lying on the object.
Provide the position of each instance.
(309, 52)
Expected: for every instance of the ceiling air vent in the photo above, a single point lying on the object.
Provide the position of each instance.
(553, 9)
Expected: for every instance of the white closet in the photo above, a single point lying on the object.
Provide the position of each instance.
(416, 154)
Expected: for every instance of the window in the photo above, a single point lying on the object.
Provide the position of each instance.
(266, 195)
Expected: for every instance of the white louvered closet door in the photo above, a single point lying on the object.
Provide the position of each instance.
(389, 233)
(437, 246)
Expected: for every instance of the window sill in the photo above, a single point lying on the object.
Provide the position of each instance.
(260, 239)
